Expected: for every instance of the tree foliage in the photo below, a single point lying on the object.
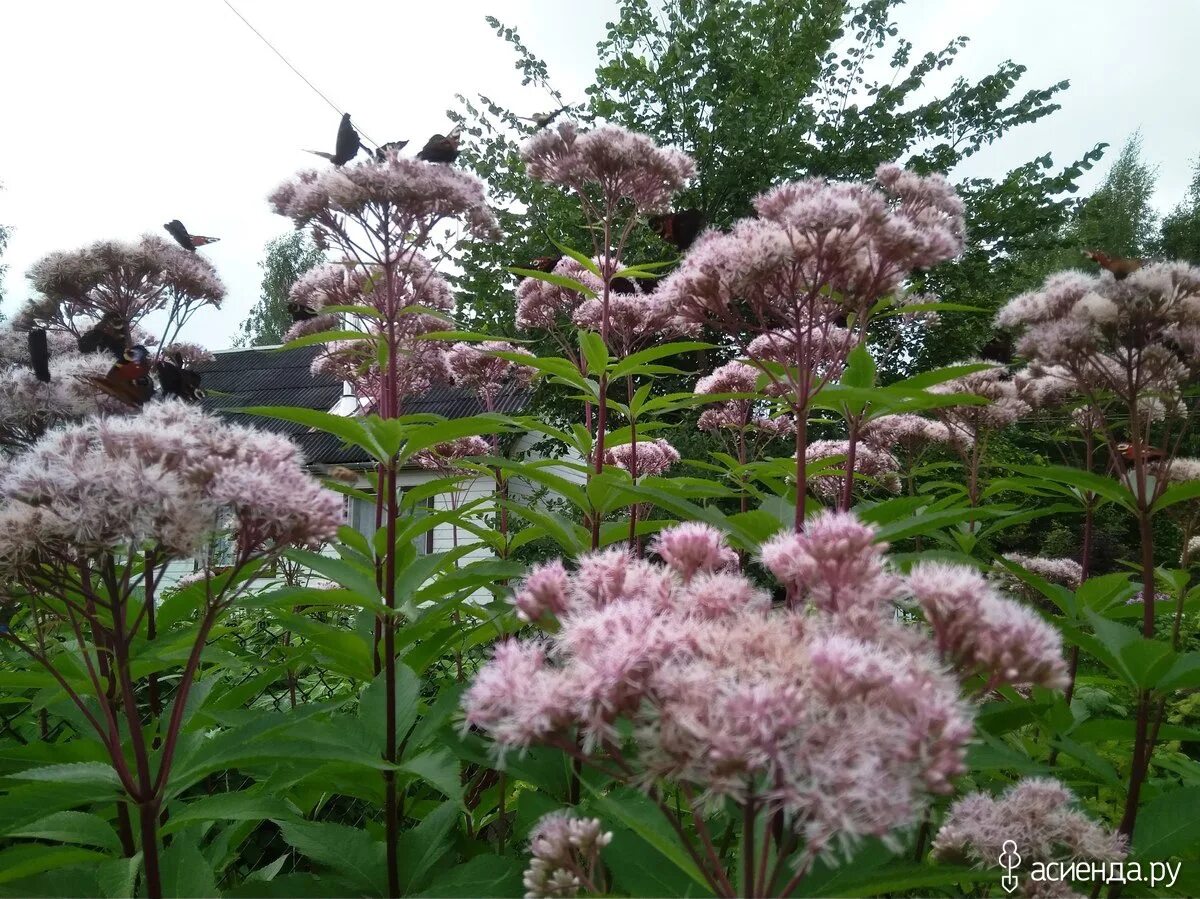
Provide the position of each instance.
(1181, 227)
(1119, 217)
(288, 257)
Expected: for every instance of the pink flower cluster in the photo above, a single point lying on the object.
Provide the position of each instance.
(1038, 814)
(28, 407)
(1101, 330)
(812, 239)
(984, 632)
(565, 853)
(625, 165)
(163, 478)
(879, 465)
(738, 414)
(418, 303)
(841, 716)
(648, 458)
(413, 195)
(124, 279)
(1066, 572)
(443, 456)
(477, 368)
(911, 433)
(1004, 404)
(542, 305)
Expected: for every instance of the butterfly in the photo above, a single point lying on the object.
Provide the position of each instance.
(382, 150)
(300, 313)
(178, 381)
(679, 228)
(1120, 268)
(188, 241)
(1127, 451)
(39, 354)
(441, 148)
(347, 146)
(542, 119)
(128, 380)
(109, 334)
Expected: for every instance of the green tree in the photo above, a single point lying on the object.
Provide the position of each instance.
(760, 91)
(1181, 227)
(1119, 218)
(288, 257)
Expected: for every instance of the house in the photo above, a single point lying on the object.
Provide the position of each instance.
(270, 376)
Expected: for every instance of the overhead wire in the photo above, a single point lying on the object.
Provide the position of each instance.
(301, 75)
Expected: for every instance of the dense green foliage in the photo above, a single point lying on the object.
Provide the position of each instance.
(287, 258)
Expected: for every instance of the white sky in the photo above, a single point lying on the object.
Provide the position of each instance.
(124, 114)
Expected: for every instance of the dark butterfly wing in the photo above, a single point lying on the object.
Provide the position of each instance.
(300, 313)
(176, 230)
(542, 264)
(622, 285)
(687, 227)
(177, 381)
(134, 393)
(109, 335)
(440, 148)
(348, 142)
(999, 349)
(39, 354)
(394, 145)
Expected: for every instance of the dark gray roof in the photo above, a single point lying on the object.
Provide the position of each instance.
(261, 376)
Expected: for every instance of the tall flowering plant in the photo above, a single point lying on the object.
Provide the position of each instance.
(824, 721)
(618, 176)
(383, 216)
(796, 286)
(92, 515)
(1130, 348)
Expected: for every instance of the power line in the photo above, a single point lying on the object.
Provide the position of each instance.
(287, 63)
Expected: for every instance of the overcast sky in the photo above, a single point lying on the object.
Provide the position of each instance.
(121, 115)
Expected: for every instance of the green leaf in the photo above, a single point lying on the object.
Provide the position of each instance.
(557, 280)
(243, 805)
(860, 368)
(1081, 480)
(484, 875)
(347, 850)
(585, 261)
(72, 827)
(420, 848)
(640, 870)
(631, 363)
(360, 580)
(118, 879)
(323, 337)
(635, 811)
(373, 705)
(347, 428)
(1139, 660)
(439, 768)
(91, 773)
(594, 351)
(31, 858)
(1168, 825)
(185, 871)
(1178, 493)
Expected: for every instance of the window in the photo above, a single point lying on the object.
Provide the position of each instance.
(361, 517)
